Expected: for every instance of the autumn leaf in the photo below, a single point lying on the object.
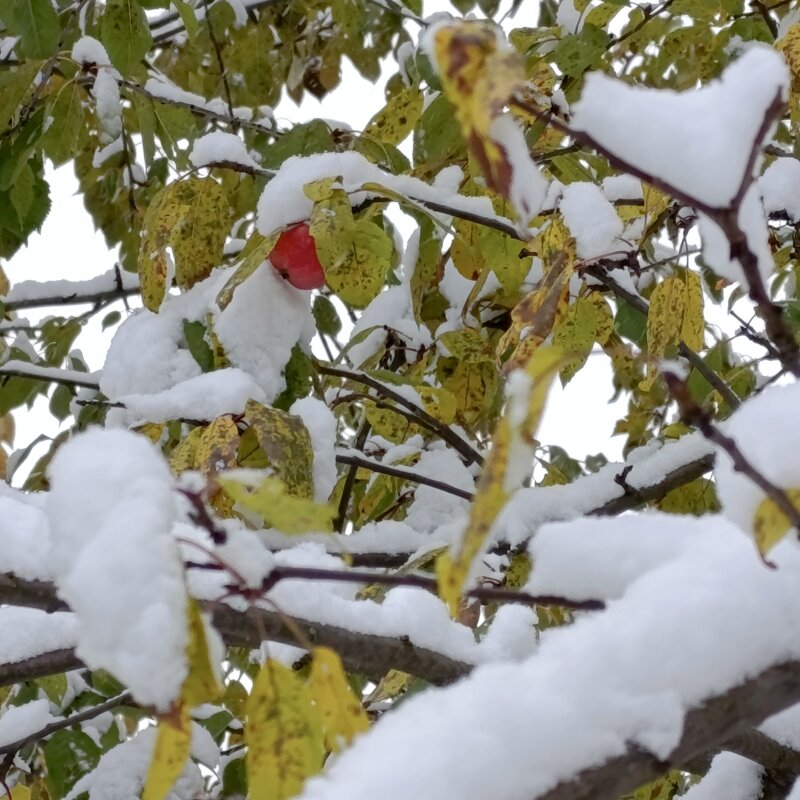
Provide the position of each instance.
(283, 733)
(480, 73)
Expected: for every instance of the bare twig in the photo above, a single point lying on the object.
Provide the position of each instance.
(444, 432)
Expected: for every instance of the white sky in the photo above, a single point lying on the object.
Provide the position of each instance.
(577, 418)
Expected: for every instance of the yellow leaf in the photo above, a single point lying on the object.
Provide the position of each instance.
(287, 444)
(7, 429)
(667, 317)
(217, 446)
(184, 454)
(173, 743)
(202, 684)
(770, 524)
(191, 217)
(512, 450)
(468, 345)
(533, 318)
(283, 734)
(355, 254)
(586, 321)
(789, 45)
(479, 74)
(343, 716)
(693, 321)
(278, 508)
(253, 255)
(504, 255)
(20, 792)
(398, 117)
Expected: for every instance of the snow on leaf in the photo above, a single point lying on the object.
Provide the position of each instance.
(286, 441)
(217, 446)
(343, 716)
(770, 524)
(283, 734)
(508, 461)
(479, 73)
(173, 744)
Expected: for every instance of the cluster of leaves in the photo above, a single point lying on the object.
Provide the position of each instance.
(171, 224)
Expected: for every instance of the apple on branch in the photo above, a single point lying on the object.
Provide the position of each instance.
(295, 258)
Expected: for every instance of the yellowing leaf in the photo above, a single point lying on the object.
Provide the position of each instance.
(184, 454)
(789, 45)
(217, 446)
(397, 119)
(283, 734)
(586, 321)
(202, 684)
(467, 345)
(286, 441)
(504, 255)
(343, 716)
(253, 255)
(675, 314)
(533, 318)
(278, 508)
(355, 254)
(191, 217)
(512, 450)
(479, 74)
(770, 524)
(173, 743)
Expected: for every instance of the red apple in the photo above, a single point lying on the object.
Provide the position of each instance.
(295, 257)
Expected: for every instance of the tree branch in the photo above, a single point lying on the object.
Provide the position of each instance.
(422, 417)
(707, 727)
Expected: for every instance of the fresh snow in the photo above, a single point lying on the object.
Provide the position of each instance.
(592, 220)
(111, 510)
(780, 188)
(698, 141)
(219, 146)
(576, 702)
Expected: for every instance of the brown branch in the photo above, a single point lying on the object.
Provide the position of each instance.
(74, 719)
(366, 654)
(443, 431)
(70, 299)
(404, 474)
(707, 727)
(484, 593)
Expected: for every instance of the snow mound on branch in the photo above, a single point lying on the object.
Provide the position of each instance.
(592, 220)
(24, 538)
(321, 426)
(217, 147)
(614, 679)
(284, 202)
(764, 432)
(152, 372)
(29, 632)
(111, 510)
(699, 141)
(780, 187)
(730, 776)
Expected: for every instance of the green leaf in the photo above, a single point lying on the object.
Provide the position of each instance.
(14, 85)
(66, 129)
(69, 755)
(125, 34)
(195, 335)
(35, 22)
(301, 140)
(437, 137)
(326, 316)
(393, 123)
(578, 52)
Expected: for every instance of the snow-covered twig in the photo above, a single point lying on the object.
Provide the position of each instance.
(66, 377)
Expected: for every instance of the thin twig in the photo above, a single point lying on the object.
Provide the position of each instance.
(404, 474)
(444, 432)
